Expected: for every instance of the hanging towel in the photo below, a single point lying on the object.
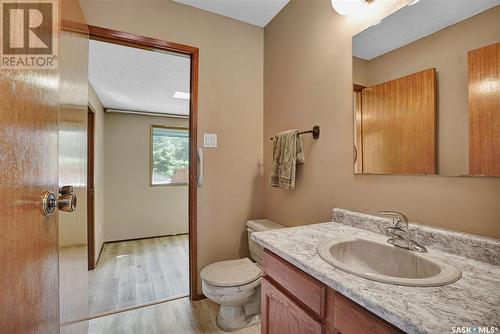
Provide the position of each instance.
(288, 152)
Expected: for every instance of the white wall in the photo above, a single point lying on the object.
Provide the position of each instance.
(134, 209)
(97, 108)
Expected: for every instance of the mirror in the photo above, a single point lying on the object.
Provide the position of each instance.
(426, 90)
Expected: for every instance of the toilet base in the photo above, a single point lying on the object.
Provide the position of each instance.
(233, 318)
(239, 305)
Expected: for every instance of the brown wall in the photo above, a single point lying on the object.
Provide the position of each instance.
(308, 80)
(230, 104)
(445, 50)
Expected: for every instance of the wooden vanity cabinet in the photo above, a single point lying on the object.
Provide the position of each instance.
(293, 302)
(282, 314)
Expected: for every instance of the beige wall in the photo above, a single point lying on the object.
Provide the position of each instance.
(230, 104)
(360, 71)
(134, 209)
(446, 51)
(308, 80)
(96, 106)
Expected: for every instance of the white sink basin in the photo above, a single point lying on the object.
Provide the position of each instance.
(374, 259)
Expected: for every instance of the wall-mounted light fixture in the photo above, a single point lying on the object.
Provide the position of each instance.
(350, 7)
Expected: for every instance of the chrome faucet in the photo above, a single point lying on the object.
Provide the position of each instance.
(398, 232)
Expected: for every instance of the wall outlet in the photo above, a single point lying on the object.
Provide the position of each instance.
(209, 140)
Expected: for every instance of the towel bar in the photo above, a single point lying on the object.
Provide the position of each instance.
(314, 131)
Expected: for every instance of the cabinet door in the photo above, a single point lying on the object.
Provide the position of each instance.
(350, 318)
(484, 107)
(282, 315)
(307, 289)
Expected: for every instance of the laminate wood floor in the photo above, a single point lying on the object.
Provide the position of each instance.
(180, 316)
(139, 271)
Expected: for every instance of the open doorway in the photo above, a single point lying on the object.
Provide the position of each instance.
(142, 171)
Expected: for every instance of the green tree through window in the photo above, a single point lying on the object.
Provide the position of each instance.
(170, 155)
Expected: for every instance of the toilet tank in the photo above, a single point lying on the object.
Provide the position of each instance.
(258, 225)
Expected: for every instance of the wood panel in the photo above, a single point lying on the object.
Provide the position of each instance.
(484, 110)
(350, 318)
(305, 288)
(282, 315)
(330, 315)
(153, 44)
(28, 167)
(73, 118)
(399, 125)
(136, 41)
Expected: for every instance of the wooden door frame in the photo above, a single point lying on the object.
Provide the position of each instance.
(90, 189)
(153, 44)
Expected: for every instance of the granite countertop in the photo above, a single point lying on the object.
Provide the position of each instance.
(474, 300)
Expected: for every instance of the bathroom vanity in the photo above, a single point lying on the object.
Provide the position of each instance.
(295, 302)
(303, 293)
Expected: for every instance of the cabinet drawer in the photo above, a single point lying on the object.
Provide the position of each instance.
(303, 287)
(281, 314)
(350, 318)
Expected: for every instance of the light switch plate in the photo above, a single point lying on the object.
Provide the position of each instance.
(209, 140)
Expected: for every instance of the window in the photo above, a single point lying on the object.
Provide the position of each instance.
(169, 155)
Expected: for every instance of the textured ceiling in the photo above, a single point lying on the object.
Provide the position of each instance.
(256, 12)
(138, 80)
(414, 22)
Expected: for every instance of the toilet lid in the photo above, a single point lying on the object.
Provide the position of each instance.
(231, 273)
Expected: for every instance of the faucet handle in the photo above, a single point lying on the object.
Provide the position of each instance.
(398, 219)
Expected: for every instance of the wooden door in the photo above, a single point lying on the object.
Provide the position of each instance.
(282, 315)
(36, 116)
(73, 113)
(484, 111)
(28, 167)
(399, 125)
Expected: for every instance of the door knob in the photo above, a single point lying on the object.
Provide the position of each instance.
(66, 190)
(66, 201)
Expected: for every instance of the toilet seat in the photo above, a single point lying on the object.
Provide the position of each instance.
(231, 273)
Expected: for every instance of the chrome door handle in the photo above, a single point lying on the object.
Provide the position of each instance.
(66, 202)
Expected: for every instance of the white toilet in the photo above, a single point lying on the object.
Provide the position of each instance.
(235, 284)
